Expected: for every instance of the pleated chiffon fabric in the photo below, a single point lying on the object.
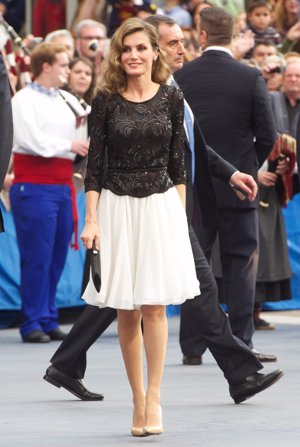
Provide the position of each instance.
(146, 255)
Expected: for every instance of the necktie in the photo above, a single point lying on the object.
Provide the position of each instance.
(189, 130)
(190, 134)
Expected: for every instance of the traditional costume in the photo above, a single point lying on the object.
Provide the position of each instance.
(43, 196)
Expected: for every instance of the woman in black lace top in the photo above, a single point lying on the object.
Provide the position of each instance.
(135, 198)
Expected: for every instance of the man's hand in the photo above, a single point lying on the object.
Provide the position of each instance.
(245, 183)
(8, 181)
(80, 147)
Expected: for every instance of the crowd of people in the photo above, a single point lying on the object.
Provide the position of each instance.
(160, 109)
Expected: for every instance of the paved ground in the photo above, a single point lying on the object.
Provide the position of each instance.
(197, 408)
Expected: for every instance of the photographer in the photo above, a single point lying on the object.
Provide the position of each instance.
(90, 40)
(272, 69)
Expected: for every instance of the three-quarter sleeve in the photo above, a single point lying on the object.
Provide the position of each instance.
(96, 154)
(176, 167)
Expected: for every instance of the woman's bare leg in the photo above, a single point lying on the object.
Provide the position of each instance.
(131, 342)
(155, 341)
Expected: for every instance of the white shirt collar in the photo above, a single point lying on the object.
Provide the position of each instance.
(40, 88)
(219, 48)
(170, 80)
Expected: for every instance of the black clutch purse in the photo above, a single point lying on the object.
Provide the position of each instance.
(95, 267)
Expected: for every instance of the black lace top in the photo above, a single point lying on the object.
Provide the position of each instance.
(139, 146)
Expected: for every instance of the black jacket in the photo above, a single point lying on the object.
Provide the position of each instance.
(230, 102)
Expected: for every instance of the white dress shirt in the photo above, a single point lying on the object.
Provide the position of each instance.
(44, 125)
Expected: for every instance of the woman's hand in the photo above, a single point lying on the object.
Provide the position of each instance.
(293, 33)
(282, 167)
(89, 234)
(267, 178)
(182, 193)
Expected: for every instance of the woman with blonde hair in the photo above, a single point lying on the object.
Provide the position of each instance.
(136, 211)
(286, 15)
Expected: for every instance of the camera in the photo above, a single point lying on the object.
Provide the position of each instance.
(273, 163)
(93, 45)
(276, 70)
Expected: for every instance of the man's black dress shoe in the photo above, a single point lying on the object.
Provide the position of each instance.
(57, 334)
(253, 384)
(192, 360)
(264, 357)
(263, 325)
(75, 386)
(36, 337)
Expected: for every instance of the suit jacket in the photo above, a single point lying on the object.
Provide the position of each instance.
(6, 129)
(201, 203)
(231, 104)
(281, 115)
(200, 197)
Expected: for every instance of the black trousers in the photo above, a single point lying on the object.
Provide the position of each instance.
(234, 358)
(238, 236)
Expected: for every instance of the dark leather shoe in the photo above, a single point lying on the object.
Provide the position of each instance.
(57, 334)
(261, 357)
(74, 386)
(253, 384)
(192, 360)
(36, 337)
(263, 325)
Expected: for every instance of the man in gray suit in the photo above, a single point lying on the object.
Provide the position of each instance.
(286, 104)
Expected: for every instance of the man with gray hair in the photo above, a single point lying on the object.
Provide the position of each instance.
(286, 103)
(90, 39)
(64, 37)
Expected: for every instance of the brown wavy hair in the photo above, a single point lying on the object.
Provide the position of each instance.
(88, 96)
(114, 77)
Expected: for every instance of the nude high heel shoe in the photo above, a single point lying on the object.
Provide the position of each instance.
(137, 428)
(155, 429)
(138, 431)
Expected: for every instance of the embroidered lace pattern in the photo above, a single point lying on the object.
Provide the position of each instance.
(136, 149)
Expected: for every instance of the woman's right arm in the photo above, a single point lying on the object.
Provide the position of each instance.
(95, 168)
(96, 155)
(91, 232)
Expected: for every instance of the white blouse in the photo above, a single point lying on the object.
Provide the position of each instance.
(44, 124)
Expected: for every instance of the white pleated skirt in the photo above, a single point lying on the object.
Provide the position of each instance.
(145, 251)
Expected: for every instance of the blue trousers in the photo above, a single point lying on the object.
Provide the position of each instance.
(44, 224)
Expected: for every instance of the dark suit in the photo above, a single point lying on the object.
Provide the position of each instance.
(230, 103)
(233, 357)
(6, 128)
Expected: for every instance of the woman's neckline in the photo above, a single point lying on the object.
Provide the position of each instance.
(142, 102)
